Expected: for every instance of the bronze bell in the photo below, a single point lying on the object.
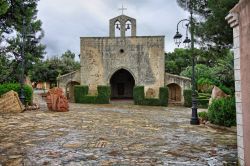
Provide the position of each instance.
(128, 26)
(117, 26)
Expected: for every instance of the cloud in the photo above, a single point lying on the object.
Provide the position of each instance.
(65, 21)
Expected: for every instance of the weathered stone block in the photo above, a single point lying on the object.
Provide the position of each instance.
(238, 97)
(240, 141)
(236, 53)
(237, 86)
(239, 108)
(236, 32)
(239, 119)
(10, 103)
(237, 76)
(237, 63)
(236, 42)
(150, 93)
(56, 101)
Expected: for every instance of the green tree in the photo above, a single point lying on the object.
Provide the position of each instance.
(68, 54)
(211, 29)
(177, 61)
(7, 74)
(202, 71)
(40, 72)
(50, 69)
(18, 17)
(220, 74)
(180, 59)
(224, 71)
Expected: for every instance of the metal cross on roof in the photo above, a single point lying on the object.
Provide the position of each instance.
(122, 9)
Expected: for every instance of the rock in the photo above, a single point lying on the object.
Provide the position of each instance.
(72, 145)
(56, 101)
(150, 93)
(10, 103)
(32, 107)
(15, 162)
(217, 93)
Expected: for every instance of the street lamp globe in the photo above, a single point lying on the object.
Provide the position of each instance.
(187, 42)
(177, 38)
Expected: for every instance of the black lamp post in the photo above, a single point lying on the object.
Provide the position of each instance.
(178, 40)
(22, 95)
(24, 37)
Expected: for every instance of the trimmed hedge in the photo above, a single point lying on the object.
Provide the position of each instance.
(139, 97)
(80, 92)
(89, 100)
(188, 98)
(104, 93)
(28, 92)
(151, 102)
(202, 99)
(203, 103)
(163, 96)
(222, 112)
(81, 95)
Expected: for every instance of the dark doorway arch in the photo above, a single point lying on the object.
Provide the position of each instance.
(122, 83)
(70, 90)
(174, 92)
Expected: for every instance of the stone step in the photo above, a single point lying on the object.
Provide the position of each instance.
(172, 103)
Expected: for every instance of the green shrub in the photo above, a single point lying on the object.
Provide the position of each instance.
(202, 103)
(188, 98)
(202, 97)
(89, 100)
(222, 112)
(205, 85)
(203, 100)
(151, 102)
(203, 115)
(80, 92)
(28, 92)
(139, 97)
(104, 93)
(225, 89)
(81, 95)
(163, 96)
(207, 95)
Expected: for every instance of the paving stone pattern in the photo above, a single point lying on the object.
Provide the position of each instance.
(112, 135)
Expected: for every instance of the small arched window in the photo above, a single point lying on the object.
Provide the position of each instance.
(128, 27)
(117, 29)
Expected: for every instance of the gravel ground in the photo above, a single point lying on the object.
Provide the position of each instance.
(112, 135)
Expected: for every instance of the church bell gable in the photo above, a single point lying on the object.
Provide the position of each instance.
(122, 23)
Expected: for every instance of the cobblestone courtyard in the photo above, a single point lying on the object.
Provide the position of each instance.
(112, 135)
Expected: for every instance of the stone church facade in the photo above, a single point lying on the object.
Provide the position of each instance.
(124, 60)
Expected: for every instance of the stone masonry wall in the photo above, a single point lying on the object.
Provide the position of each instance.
(245, 73)
(143, 57)
(239, 19)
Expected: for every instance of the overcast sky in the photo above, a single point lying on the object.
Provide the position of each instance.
(65, 21)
